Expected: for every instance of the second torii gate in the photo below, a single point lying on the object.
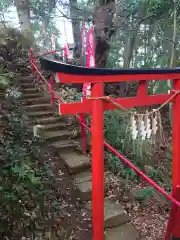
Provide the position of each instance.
(97, 104)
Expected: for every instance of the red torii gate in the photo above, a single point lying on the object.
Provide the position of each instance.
(97, 104)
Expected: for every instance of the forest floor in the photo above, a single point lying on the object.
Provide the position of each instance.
(149, 218)
(72, 221)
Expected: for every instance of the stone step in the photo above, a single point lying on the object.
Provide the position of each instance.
(85, 190)
(50, 120)
(83, 177)
(41, 107)
(83, 182)
(75, 162)
(31, 95)
(27, 85)
(54, 126)
(114, 214)
(54, 136)
(25, 80)
(24, 77)
(2, 96)
(34, 101)
(30, 90)
(124, 232)
(39, 114)
(64, 145)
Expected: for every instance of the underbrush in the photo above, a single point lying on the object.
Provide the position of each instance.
(143, 154)
(27, 204)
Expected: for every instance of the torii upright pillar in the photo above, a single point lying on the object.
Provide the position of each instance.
(97, 124)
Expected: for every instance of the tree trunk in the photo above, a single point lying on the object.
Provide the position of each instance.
(173, 54)
(74, 13)
(22, 7)
(128, 50)
(103, 31)
(127, 55)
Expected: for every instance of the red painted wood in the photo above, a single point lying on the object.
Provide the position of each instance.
(176, 219)
(171, 221)
(142, 89)
(86, 106)
(97, 163)
(176, 153)
(176, 140)
(70, 78)
(75, 108)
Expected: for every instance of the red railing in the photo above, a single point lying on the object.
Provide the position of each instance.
(175, 200)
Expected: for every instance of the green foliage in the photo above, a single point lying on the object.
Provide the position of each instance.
(24, 183)
(42, 9)
(121, 169)
(142, 193)
(160, 7)
(115, 128)
(169, 154)
(5, 80)
(4, 4)
(117, 133)
(159, 87)
(113, 60)
(50, 28)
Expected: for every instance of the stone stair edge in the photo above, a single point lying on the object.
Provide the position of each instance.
(124, 232)
(114, 213)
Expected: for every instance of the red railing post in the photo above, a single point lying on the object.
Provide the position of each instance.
(176, 157)
(176, 221)
(51, 83)
(173, 217)
(97, 162)
(170, 222)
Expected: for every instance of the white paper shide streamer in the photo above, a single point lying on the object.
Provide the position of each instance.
(145, 126)
(134, 130)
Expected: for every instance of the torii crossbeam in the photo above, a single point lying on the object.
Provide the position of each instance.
(96, 106)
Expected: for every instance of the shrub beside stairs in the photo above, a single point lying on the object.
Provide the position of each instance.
(56, 133)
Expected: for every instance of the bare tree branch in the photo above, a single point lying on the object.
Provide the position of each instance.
(161, 35)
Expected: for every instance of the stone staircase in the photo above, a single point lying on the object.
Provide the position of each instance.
(55, 133)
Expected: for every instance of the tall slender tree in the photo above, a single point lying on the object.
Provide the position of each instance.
(23, 11)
